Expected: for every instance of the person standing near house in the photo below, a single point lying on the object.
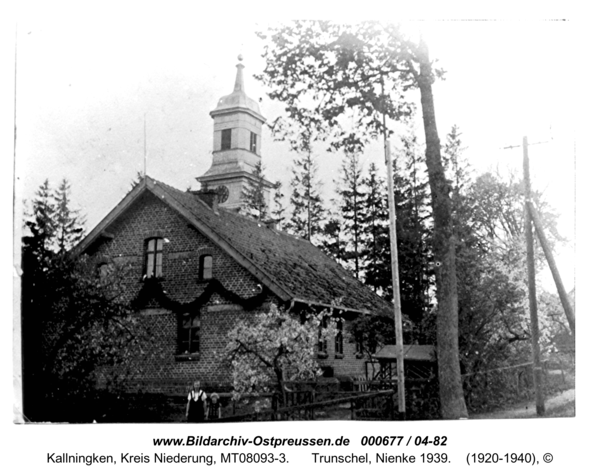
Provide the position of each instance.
(195, 409)
(213, 407)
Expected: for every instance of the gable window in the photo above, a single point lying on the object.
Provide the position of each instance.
(253, 142)
(154, 257)
(206, 267)
(188, 340)
(226, 139)
(339, 338)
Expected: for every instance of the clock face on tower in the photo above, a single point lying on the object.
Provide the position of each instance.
(222, 193)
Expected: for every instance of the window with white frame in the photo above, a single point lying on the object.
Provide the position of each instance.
(154, 257)
(206, 267)
(188, 340)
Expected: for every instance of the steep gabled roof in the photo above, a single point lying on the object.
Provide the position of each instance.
(294, 269)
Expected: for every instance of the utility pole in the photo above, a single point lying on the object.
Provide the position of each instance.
(395, 273)
(535, 331)
(396, 286)
(562, 293)
(145, 145)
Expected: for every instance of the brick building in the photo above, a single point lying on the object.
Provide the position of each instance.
(199, 266)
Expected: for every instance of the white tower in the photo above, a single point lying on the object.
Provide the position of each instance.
(236, 146)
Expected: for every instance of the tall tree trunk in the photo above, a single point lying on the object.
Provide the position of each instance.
(451, 392)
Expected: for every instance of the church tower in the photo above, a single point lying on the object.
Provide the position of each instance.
(237, 138)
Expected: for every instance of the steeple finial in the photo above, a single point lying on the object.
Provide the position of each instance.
(239, 78)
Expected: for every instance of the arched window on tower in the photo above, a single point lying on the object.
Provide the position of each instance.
(226, 139)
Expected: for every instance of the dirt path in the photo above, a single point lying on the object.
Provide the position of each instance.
(559, 405)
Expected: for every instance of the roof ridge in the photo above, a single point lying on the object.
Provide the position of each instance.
(236, 215)
(196, 198)
(294, 267)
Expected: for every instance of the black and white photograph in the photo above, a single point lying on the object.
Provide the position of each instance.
(253, 223)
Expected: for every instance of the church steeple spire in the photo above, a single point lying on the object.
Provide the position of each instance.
(239, 77)
(237, 139)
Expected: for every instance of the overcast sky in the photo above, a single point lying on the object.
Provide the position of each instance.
(84, 87)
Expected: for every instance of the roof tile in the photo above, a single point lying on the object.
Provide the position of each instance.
(295, 264)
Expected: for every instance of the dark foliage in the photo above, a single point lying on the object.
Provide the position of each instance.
(74, 321)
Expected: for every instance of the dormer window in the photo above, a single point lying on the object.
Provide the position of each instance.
(154, 257)
(253, 142)
(206, 267)
(226, 139)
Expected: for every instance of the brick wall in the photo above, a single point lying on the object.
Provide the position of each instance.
(158, 368)
(346, 363)
(149, 217)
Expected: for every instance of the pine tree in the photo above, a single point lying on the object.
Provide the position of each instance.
(413, 230)
(41, 225)
(352, 210)
(332, 241)
(278, 209)
(457, 168)
(376, 253)
(68, 222)
(459, 174)
(253, 195)
(308, 212)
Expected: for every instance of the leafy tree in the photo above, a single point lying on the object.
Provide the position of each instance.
(73, 320)
(326, 70)
(274, 347)
(85, 330)
(493, 305)
(556, 336)
(498, 212)
(253, 194)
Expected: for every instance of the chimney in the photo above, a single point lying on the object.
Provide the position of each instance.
(210, 197)
(273, 224)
